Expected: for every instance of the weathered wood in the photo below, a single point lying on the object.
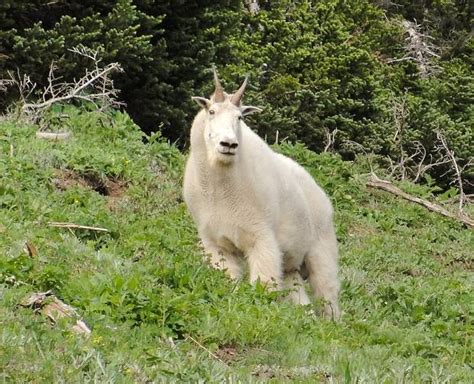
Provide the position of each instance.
(76, 226)
(53, 135)
(54, 309)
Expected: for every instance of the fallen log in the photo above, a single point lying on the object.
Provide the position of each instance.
(376, 182)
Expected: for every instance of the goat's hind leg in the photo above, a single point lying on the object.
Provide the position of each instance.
(322, 266)
(295, 283)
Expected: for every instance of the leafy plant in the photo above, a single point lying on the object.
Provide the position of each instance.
(159, 313)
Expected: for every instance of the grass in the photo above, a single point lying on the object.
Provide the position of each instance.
(157, 313)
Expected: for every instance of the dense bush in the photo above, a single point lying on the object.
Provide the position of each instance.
(315, 66)
(321, 66)
(165, 49)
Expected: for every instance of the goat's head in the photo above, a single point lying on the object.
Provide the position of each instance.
(224, 113)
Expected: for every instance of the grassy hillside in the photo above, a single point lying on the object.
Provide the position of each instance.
(157, 313)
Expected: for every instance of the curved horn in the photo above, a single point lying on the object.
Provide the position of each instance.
(219, 91)
(237, 96)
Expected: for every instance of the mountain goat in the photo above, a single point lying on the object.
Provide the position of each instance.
(252, 204)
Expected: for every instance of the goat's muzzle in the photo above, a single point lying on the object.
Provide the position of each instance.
(228, 146)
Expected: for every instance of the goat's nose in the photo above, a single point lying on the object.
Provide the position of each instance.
(229, 144)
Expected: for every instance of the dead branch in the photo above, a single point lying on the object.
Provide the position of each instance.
(419, 49)
(84, 89)
(411, 162)
(458, 171)
(376, 182)
(400, 113)
(95, 86)
(386, 4)
(5, 84)
(75, 226)
(206, 349)
(24, 84)
(421, 168)
(253, 6)
(330, 139)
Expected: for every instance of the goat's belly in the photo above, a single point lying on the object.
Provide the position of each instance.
(295, 238)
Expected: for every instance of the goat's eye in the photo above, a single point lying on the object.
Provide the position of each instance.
(211, 111)
(240, 117)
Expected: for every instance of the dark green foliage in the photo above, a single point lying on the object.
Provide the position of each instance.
(315, 66)
(321, 66)
(165, 49)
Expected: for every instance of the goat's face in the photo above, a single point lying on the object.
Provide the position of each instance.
(223, 121)
(222, 131)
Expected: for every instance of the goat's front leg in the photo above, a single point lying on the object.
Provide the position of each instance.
(223, 260)
(265, 263)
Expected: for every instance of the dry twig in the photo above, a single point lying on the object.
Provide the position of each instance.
(458, 170)
(95, 87)
(76, 226)
(5, 84)
(206, 349)
(330, 139)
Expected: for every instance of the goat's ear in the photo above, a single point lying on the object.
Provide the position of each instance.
(202, 102)
(247, 110)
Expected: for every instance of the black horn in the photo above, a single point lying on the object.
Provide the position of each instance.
(237, 96)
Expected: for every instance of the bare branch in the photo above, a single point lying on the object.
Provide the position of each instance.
(400, 113)
(95, 86)
(419, 49)
(76, 226)
(78, 90)
(5, 84)
(458, 171)
(330, 139)
(421, 168)
(252, 6)
(23, 84)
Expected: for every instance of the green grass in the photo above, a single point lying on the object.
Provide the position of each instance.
(157, 313)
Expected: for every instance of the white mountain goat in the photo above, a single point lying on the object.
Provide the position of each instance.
(250, 203)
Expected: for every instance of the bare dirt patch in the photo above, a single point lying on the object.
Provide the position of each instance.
(112, 188)
(307, 373)
(467, 264)
(362, 231)
(227, 353)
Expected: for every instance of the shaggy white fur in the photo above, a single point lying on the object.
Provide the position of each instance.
(252, 204)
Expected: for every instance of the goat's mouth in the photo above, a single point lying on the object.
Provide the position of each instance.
(226, 151)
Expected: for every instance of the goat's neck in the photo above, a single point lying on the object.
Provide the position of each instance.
(217, 174)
